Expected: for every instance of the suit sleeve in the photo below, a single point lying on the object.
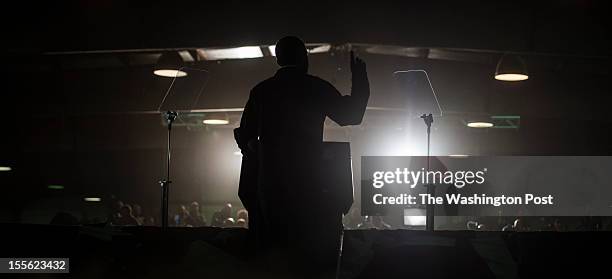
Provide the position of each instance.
(249, 124)
(246, 136)
(347, 110)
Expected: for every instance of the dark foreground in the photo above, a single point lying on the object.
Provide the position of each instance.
(149, 252)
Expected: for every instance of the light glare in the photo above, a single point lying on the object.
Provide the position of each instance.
(232, 53)
(5, 168)
(414, 217)
(92, 199)
(169, 73)
(480, 124)
(511, 77)
(319, 49)
(272, 50)
(458, 156)
(415, 220)
(216, 121)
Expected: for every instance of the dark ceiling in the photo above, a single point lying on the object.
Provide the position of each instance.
(572, 27)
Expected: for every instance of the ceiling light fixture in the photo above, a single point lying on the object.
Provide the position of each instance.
(169, 64)
(511, 67)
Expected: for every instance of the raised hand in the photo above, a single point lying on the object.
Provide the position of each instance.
(358, 66)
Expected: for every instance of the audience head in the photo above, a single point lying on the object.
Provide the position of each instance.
(556, 225)
(519, 225)
(379, 222)
(472, 225)
(194, 208)
(226, 211)
(182, 210)
(126, 210)
(229, 222)
(137, 210)
(242, 214)
(118, 205)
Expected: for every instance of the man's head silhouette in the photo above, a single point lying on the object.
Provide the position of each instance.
(291, 51)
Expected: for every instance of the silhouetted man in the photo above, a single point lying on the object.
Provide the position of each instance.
(282, 130)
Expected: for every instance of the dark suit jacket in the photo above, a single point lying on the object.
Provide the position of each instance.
(282, 128)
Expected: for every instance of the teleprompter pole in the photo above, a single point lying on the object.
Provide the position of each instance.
(165, 184)
(429, 209)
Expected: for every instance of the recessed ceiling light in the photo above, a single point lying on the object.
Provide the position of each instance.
(511, 77)
(480, 124)
(215, 121)
(5, 168)
(92, 199)
(169, 73)
(230, 53)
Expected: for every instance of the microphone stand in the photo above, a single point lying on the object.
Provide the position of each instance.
(165, 184)
(429, 209)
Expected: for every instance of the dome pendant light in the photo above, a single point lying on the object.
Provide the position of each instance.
(511, 68)
(169, 64)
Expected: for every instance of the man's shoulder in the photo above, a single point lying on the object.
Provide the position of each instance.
(264, 83)
(262, 86)
(320, 83)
